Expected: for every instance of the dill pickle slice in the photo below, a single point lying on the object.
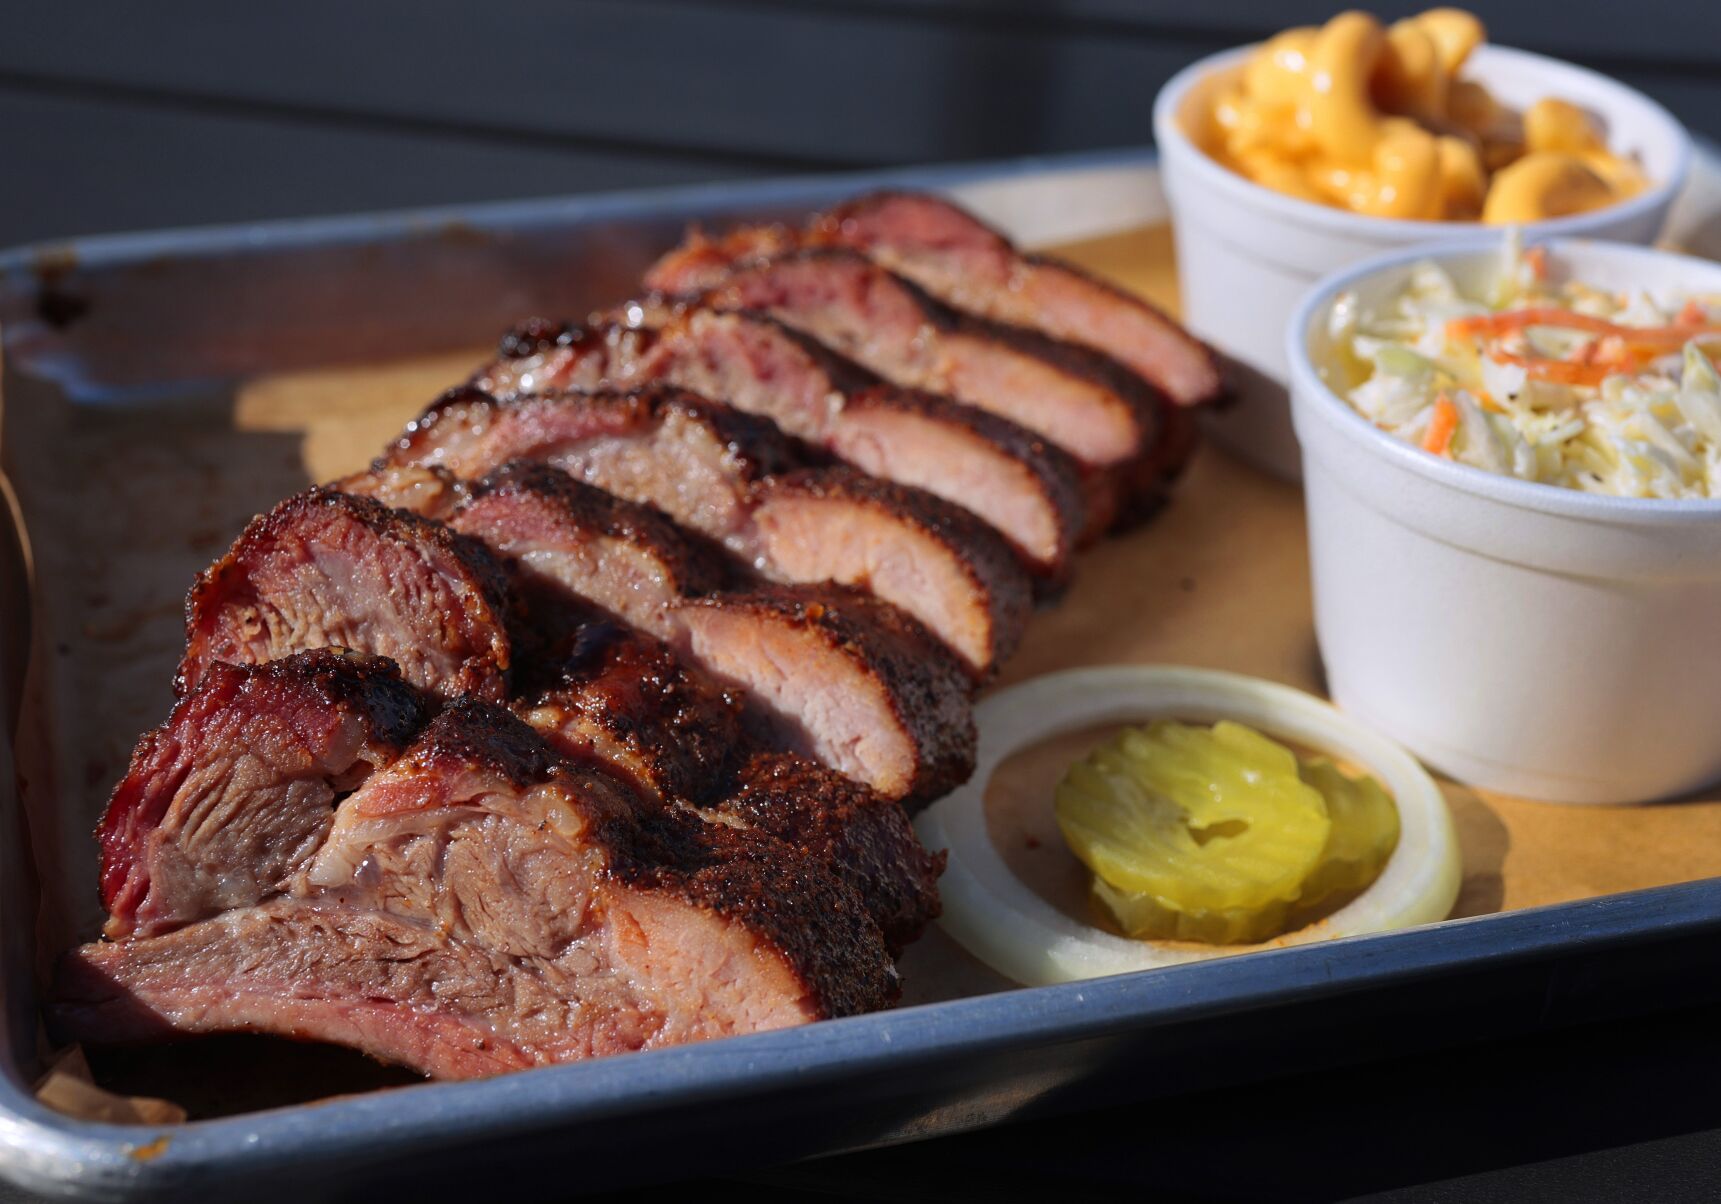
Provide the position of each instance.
(1146, 917)
(1213, 826)
(1363, 836)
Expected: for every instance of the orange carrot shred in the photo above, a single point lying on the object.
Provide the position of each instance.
(1559, 371)
(1692, 314)
(1537, 259)
(1611, 350)
(1519, 319)
(1655, 337)
(1441, 427)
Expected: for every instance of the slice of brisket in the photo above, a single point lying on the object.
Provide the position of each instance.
(328, 569)
(625, 700)
(689, 457)
(226, 801)
(628, 559)
(623, 697)
(831, 672)
(856, 685)
(865, 841)
(1023, 486)
(483, 905)
(956, 257)
(430, 490)
(932, 560)
(702, 464)
(1084, 402)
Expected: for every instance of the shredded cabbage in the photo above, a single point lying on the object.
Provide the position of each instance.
(1615, 393)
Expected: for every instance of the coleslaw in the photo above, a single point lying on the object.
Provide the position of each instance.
(1543, 379)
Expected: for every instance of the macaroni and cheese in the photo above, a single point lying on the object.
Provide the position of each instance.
(1377, 120)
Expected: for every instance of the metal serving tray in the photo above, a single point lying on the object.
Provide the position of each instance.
(128, 320)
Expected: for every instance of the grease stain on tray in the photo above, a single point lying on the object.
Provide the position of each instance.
(149, 1151)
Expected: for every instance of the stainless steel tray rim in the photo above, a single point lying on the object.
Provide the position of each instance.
(41, 1145)
(29, 272)
(28, 260)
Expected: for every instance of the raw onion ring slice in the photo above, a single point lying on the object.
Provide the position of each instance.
(1011, 928)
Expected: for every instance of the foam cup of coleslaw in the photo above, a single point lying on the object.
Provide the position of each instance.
(1246, 253)
(1532, 638)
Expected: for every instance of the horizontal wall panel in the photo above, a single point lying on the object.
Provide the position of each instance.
(1655, 31)
(179, 111)
(795, 85)
(75, 167)
(784, 83)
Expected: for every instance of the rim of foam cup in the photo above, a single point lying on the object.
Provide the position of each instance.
(1602, 93)
(1310, 394)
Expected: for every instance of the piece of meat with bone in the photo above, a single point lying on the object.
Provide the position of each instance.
(962, 261)
(625, 699)
(1084, 402)
(483, 905)
(329, 569)
(226, 800)
(701, 464)
(1025, 487)
(831, 672)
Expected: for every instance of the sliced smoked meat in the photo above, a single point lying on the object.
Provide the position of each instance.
(628, 559)
(482, 905)
(431, 491)
(853, 684)
(932, 560)
(833, 673)
(1078, 399)
(227, 800)
(864, 840)
(329, 569)
(962, 261)
(1026, 488)
(692, 459)
(625, 699)
(689, 457)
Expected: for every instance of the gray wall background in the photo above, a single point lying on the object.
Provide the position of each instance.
(120, 114)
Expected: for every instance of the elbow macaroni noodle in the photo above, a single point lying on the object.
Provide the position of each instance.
(1375, 119)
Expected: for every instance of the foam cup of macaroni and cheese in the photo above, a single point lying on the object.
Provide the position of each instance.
(1287, 160)
(1512, 467)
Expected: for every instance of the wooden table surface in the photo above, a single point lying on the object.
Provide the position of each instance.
(121, 115)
